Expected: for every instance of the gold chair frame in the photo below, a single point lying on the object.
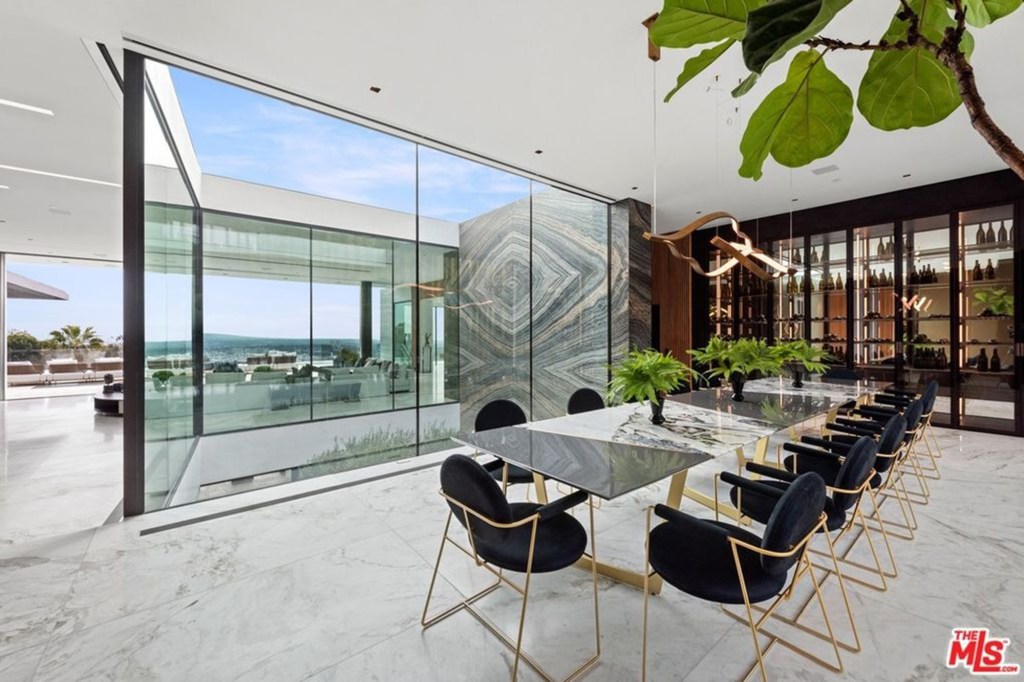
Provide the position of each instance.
(803, 566)
(468, 603)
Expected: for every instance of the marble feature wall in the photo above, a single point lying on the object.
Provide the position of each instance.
(631, 276)
(534, 305)
(494, 313)
(570, 298)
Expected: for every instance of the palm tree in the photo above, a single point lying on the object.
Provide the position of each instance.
(75, 337)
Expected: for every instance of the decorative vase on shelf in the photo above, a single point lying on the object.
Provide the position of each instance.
(657, 409)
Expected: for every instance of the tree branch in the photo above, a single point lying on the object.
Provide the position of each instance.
(866, 46)
(1000, 142)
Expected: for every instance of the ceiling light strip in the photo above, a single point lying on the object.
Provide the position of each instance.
(25, 107)
(61, 176)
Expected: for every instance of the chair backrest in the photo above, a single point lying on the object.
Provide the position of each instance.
(913, 414)
(855, 470)
(890, 440)
(843, 373)
(499, 413)
(464, 480)
(796, 513)
(585, 400)
(931, 392)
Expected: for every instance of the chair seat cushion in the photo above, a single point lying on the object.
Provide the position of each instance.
(561, 541)
(759, 507)
(706, 568)
(516, 474)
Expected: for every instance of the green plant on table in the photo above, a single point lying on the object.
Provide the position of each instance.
(800, 352)
(738, 359)
(648, 375)
(997, 300)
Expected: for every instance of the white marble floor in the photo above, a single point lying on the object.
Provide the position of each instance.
(330, 587)
(60, 467)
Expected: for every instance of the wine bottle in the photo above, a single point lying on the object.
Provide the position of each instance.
(814, 257)
(914, 278)
(880, 251)
(982, 361)
(976, 273)
(979, 237)
(1002, 235)
(943, 359)
(990, 235)
(996, 364)
(796, 257)
(830, 285)
(1009, 234)
(839, 282)
(990, 272)
(872, 280)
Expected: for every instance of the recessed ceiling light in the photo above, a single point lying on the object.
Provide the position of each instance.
(538, 151)
(4, 187)
(635, 188)
(906, 175)
(699, 212)
(794, 200)
(25, 107)
(33, 171)
(374, 89)
(2, 220)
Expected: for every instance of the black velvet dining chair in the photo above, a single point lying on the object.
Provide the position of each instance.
(521, 538)
(724, 563)
(873, 416)
(495, 415)
(895, 398)
(848, 469)
(584, 400)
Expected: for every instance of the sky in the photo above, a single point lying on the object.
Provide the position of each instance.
(94, 298)
(248, 136)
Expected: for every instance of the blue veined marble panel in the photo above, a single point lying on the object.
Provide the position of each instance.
(570, 298)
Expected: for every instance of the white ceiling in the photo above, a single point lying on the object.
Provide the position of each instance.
(500, 79)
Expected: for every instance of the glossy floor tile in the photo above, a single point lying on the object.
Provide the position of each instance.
(330, 587)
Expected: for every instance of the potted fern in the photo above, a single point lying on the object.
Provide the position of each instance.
(735, 361)
(799, 357)
(648, 375)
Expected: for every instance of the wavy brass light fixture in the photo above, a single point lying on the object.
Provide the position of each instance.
(742, 253)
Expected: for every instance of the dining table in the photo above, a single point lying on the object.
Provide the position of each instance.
(617, 450)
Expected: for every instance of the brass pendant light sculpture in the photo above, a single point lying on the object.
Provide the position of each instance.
(743, 253)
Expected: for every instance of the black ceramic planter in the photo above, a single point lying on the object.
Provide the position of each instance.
(657, 407)
(737, 381)
(797, 371)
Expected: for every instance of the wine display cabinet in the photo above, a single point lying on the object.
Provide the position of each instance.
(901, 302)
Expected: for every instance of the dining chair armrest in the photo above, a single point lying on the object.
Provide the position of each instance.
(752, 486)
(836, 446)
(854, 427)
(876, 411)
(493, 465)
(695, 530)
(561, 505)
(865, 420)
(803, 450)
(771, 472)
(893, 400)
(892, 390)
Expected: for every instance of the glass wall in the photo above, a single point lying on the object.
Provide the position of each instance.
(169, 391)
(360, 297)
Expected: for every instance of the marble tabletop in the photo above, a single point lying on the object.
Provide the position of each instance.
(612, 451)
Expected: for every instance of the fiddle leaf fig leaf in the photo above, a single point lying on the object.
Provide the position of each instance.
(805, 118)
(911, 88)
(745, 85)
(778, 27)
(685, 23)
(981, 13)
(695, 65)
